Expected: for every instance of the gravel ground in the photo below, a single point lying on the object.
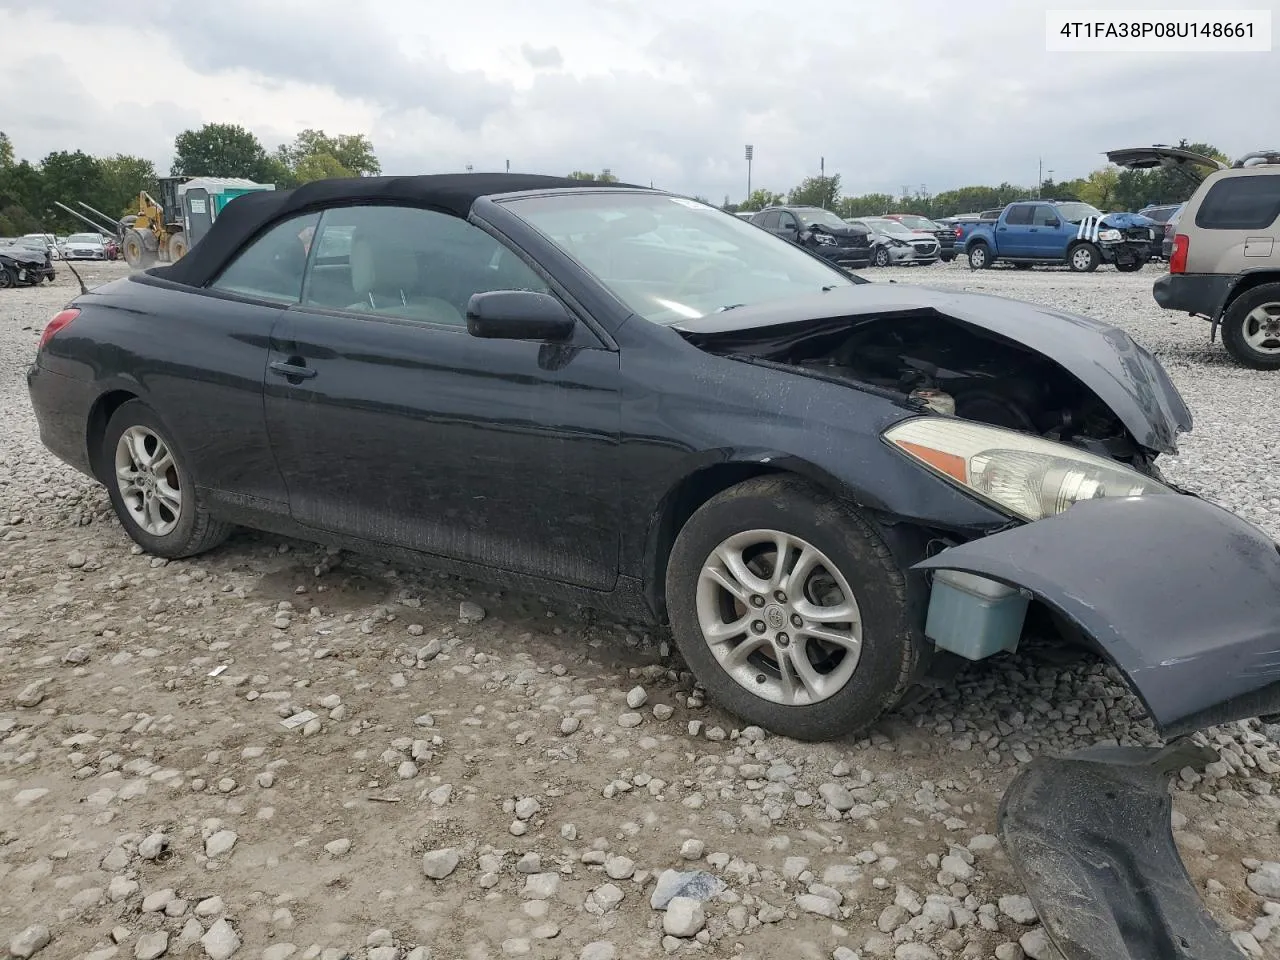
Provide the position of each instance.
(471, 773)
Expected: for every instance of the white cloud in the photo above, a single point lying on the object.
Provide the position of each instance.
(926, 92)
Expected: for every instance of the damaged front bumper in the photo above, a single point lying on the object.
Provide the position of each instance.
(1090, 838)
(1126, 251)
(1179, 594)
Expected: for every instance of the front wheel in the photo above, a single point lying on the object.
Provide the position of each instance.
(1251, 328)
(1084, 258)
(979, 257)
(882, 257)
(7, 277)
(151, 489)
(790, 610)
(1131, 266)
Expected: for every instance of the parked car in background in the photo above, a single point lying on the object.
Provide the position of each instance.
(25, 262)
(1170, 228)
(946, 236)
(966, 224)
(1160, 213)
(897, 244)
(1225, 261)
(49, 241)
(85, 246)
(113, 247)
(819, 231)
(1050, 232)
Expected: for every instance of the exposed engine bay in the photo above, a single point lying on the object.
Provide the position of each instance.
(949, 366)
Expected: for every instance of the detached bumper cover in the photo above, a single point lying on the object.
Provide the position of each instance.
(1198, 293)
(1089, 836)
(1178, 593)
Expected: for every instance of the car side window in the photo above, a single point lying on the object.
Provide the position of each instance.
(1020, 215)
(272, 266)
(1240, 203)
(786, 220)
(409, 262)
(769, 220)
(1046, 216)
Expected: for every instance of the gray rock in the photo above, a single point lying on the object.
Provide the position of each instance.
(692, 849)
(527, 807)
(210, 907)
(694, 884)
(1009, 951)
(569, 725)
(438, 864)
(812, 903)
(1265, 880)
(684, 917)
(598, 950)
(605, 898)
(837, 796)
(156, 902)
(153, 846)
(338, 848)
(1018, 909)
(151, 945)
(220, 843)
(914, 951)
(619, 868)
(470, 612)
(891, 918)
(33, 694)
(220, 940)
(637, 698)
(30, 941)
(279, 951)
(541, 886)
(1036, 945)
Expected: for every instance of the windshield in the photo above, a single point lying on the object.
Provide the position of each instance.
(918, 223)
(890, 227)
(84, 238)
(671, 259)
(1075, 212)
(811, 215)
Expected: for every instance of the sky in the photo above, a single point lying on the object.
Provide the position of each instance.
(934, 94)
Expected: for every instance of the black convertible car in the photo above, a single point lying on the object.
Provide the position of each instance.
(833, 490)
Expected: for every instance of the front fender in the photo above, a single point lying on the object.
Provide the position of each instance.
(1177, 592)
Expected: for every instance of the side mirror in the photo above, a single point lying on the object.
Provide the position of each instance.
(1053, 223)
(518, 315)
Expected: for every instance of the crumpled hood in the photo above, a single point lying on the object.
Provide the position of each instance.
(1122, 220)
(23, 255)
(847, 231)
(1104, 358)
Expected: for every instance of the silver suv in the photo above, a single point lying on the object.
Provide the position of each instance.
(1225, 261)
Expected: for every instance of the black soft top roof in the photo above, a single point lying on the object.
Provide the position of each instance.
(247, 215)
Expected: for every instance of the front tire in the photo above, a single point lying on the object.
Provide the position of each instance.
(979, 257)
(813, 658)
(1132, 266)
(882, 257)
(1084, 258)
(151, 489)
(1251, 328)
(7, 277)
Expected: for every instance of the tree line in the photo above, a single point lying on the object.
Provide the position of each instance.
(1108, 188)
(111, 184)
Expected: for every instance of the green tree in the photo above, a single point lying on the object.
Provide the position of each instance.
(816, 192)
(348, 155)
(123, 177)
(1100, 188)
(6, 151)
(219, 150)
(760, 199)
(67, 177)
(604, 176)
(868, 205)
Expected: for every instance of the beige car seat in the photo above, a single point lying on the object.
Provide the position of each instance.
(385, 278)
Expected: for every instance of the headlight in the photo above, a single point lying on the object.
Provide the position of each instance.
(823, 238)
(1024, 475)
(1109, 235)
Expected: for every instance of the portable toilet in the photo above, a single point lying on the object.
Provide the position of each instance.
(202, 199)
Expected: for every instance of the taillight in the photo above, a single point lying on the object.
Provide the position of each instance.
(59, 321)
(1178, 258)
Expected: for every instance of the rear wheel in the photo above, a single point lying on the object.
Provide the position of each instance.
(1251, 328)
(8, 278)
(790, 610)
(979, 257)
(1131, 266)
(177, 247)
(151, 489)
(1084, 258)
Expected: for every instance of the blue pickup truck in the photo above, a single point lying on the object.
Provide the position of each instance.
(1034, 232)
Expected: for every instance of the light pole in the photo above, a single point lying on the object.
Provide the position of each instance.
(750, 151)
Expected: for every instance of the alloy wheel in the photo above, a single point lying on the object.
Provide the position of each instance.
(1262, 328)
(779, 617)
(147, 478)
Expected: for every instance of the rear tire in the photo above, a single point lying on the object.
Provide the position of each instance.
(7, 277)
(135, 250)
(830, 688)
(1133, 267)
(1251, 328)
(177, 247)
(151, 489)
(979, 257)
